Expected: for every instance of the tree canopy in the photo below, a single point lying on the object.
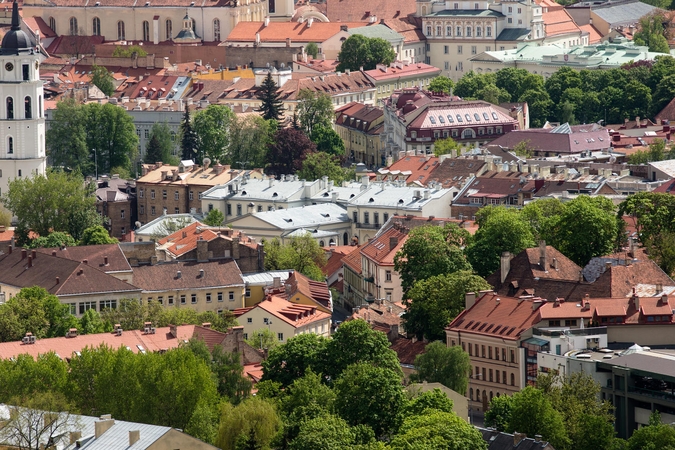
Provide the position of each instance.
(212, 126)
(314, 109)
(288, 151)
(441, 84)
(320, 164)
(271, 105)
(188, 137)
(301, 253)
(359, 51)
(102, 79)
(449, 366)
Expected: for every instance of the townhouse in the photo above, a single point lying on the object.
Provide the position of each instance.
(360, 127)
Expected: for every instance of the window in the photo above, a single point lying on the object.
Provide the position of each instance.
(509, 20)
(109, 304)
(470, 351)
(488, 31)
(446, 49)
(193, 298)
(10, 145)
(52, 25)
(272, 7)
(10, 108)
(86, 306)
(169, 29)
(120, 31)
(439, 30)
(478, 32)
(152, 194)
(490, 375)
(385, 217)
(490, 354)
(513, 356)
(482, 351)
(497, 376)
(231, 296)
(571, 323)
(366, 218)
(259, 208)
(216, 29)
(229, 209)
(176, 210)
(28, 110)
(510, 9)
(96, 26)
(164, 194)
(376, 218)
(428, 30)
(160, 300)
(519, 10)
(387, 275)
(553, 323)
(176, 195)
(249, 320)
(170, 299)
(182, 299)
(280, 336)
(448, 30)
(459, 49)
(473, 50)
(152, 210)
(446, 65)
(122, 214)
(239, 210)
(146, 30)
(458, 31)
(220, 296)
(248, 292)
(468, 31)
(513, 379)
(73, 26)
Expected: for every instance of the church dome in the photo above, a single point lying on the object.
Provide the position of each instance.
(15, 39)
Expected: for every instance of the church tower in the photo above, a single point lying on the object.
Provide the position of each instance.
(22, 122)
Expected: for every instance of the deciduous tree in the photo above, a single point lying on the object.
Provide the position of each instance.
(314, 109)
(532, 414)
(250, 137)
(292, 360)
(96, 235)
(111, 136)
(441, 84)
(102, 79)
(289, 150)
(498, 414)
(449, 366)
(212, 126)
(250, 425)
(446, 146)
(327, 140)
(359, 51)
(437, 430)
(301, 253)
(320, 164)
(67, 138)
(214, 218)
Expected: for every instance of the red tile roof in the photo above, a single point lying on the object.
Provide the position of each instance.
(498, 316)
(498, 185)
(335, 256)
(353, 261)
(558, 22)
(456, 171)
(544, 141)
(358, 116)
(624, 307)
(185, 240)
(316, 290)
(355, 10)
(594, 36)
(95, 255)
(407, 349)
(67, 45)
(37, 23)
(409, 27)
(398, 70)
(317, 32)
(668, 187)
(293, 314)
(380, 248)
(413, 168)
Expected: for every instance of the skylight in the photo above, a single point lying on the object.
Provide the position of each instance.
(476, 116)
(459, 118)
(432, 119)
(467, 117)
(450, 118)
(494, 116)
(441, 119)
(485, 116)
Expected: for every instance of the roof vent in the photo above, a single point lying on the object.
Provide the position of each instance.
(178, 274)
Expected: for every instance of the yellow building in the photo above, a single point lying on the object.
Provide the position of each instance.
(256, 284)
(360, 126)
(215, 285)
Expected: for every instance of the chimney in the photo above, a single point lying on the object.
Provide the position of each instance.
(173, 330)
(469, 299)
(202, 250)
(58, 280)
(85, 261)
(659, 289)
(276, 282)
(517, 437)
(30, 261)
(33, 253)
(24, 252)
(75, 436)
(134, 436)
(542, 254)
(206, 324)
(608, 265)
(555, 263)
(537, 438)
(103, 425)
(636, 300)
(393, 242)
(178, 274)
(505, 265)
(105, 260)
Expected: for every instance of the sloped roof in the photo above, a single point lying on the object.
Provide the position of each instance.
(295, 31)
(544, 140)
(68, 45)
(355, 10)
(455, 171)
(335, 256)
(513, 34)
(316, 290)
(499, 316)
(380, 250)
(415, 168)
(559, 22)
(38, 23)
(293, 314)
(496, 184)
(185, 239)
(162, 277)
(594, 36)
(409, 27)
(95, 255)
(353, 261)
(623, 12)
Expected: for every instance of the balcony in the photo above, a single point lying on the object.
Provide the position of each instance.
(368, 226)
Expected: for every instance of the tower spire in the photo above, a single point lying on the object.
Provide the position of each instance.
(16, 23)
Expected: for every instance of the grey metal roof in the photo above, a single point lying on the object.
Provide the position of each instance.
(265, 278)
(345, 193)
(377, 31)
(513, 34)
(256, 189)
(404, 197)
(315, 234)
(304, 216)
(623, 12)
(158, 227)
(651, 362)
(468, 13)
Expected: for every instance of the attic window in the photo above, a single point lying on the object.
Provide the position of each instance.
(601, 139)
(476, 116)
(325, 215)
(441, 119)
(289, 220)
(467, 117)
(576, 142)
(485, 116)
(275, 195)
(243, 192)
(459, 118)
(371, 200)
(400, 200)
(433, 120)
(325, 194)
(494, 116)
(450, 119)
(351, 196)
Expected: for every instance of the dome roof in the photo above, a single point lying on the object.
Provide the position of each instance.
(15, 39)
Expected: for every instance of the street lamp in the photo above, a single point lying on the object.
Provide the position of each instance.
(478, 375)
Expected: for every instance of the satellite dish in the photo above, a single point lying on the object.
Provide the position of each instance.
(138, 224)
(612, 159)
(206, 162)
(283, 65)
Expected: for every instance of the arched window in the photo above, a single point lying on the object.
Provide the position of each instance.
(216, 30)
(28, 107)
(96, 26)
(10, 145)
(478, 32)
(169, 29)
(120, 31)
(39, 111)
(73, 26)
(52, 24)
(322, 244)
(488, 31)
(468, 133)
(146, 30)
(491, 395)
(345, 239)
(10, 108)
(471, 394)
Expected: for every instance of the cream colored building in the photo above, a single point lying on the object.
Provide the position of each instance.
(283, 318)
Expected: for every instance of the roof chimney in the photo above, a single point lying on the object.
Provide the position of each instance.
(393, 242)
(469, 299)
(134, 436)
(24, 252)
(30, 261)
(103, 425)
(505, 265)
(178, 274)
(542, 255)
(105, 260)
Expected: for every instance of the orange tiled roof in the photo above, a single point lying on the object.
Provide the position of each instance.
(354, 10)
(295, 31)
(185, 240)
(594, 36)
(402, 70)
(420, 168)
(37, 23)
(559, 22)
(380, 250)
(335, 256)
(293, 314)
(353, 261)
(499, 316)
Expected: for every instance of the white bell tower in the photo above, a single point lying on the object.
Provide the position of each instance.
(22, 120)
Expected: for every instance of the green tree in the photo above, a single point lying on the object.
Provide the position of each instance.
(188, 137)
(102, 79)
(532, 414)
(301, 253)
(28, 312)
(498, 415)
(271, 105)
(54, 239)
(446, 146)
(363, 389)
(312, 49)
(652, 34)
(96, 235)
(422, 402)
(662, 250)
(431, 250)
(263, 338)
(250, 136)
(314, 109)
(250, 425)
(24, 376)
(449, 366)
(361, 52)
(655, 436)
(437, 430)
(163, 147)
(111, 136)
(587, 227)
(539, 104)
(67, 137)
(517, 81)
(355, 342)
(541, 216)
(62, 198)
(493, 94)
(471, 83)
(229, 372)
(433, 303)
(327, 140)
(293, 360)
(561, 80)
(288, 151)
(441, 84)
(212, 127)
(214, 218)
(523, 149)
(126, 51)
(320, 164)
(330, 432)
(91, 323)
(500, 230)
